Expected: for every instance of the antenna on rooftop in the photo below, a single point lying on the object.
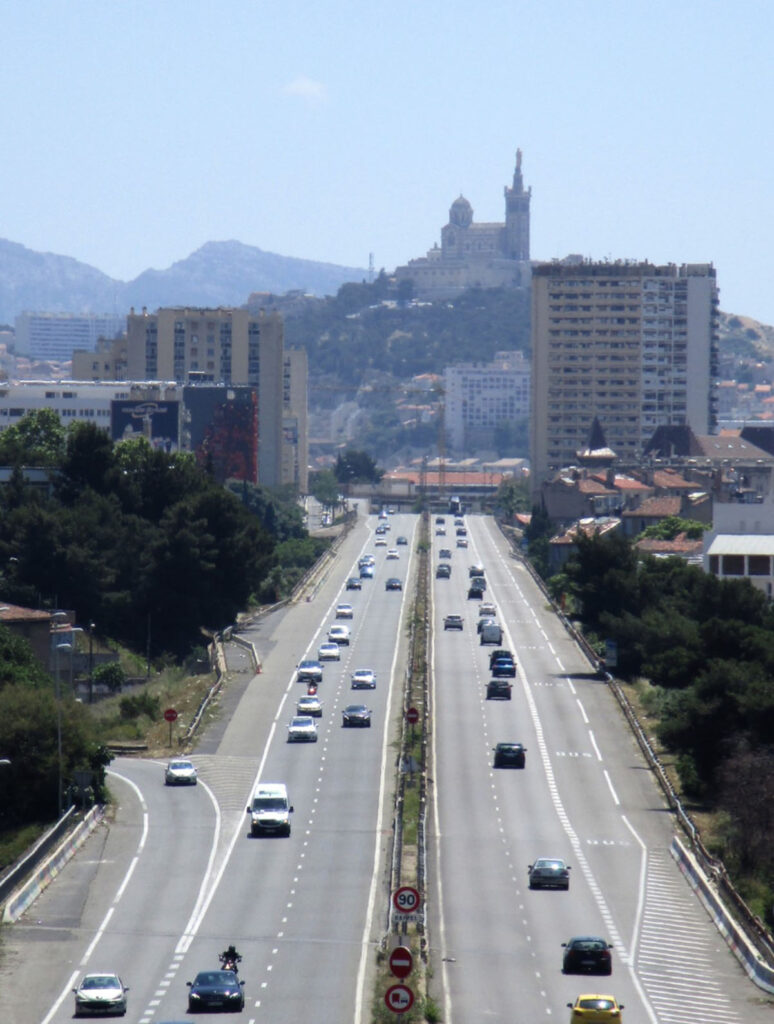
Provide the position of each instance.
(370, 267)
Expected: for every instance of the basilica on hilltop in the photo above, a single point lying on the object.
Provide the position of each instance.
(476, 255)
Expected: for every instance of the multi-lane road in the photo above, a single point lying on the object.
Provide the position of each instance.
(177, 877)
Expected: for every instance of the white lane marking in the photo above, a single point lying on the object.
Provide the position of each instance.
(582, 711)
(365, 949)
(611, 787)
(594, 745)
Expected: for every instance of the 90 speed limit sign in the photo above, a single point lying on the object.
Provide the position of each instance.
(406, 900)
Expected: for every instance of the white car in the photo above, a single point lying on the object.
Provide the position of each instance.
(338, 635)
(462, 542)
(100, 993)
(344, 611)
(302, 729)
(180, 772)
(309, 706)
(487, 609)
(328, 652)
(380, 542)
(393, 553)
(364, 679)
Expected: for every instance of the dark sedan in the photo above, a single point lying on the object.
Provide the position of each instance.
(549, 873)
(587, 954)
(498, 689)
(510, 755)
(393, 584)
(356, 715)
(215, 990)
(354, 583)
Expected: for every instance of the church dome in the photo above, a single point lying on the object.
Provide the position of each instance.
(461, 213)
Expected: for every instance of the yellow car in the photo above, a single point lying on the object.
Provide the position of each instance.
(595, 1009)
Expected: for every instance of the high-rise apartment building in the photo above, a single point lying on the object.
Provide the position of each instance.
(55, 336)
(217, 346)
(632, 344)
(295, 437)
(480, 397)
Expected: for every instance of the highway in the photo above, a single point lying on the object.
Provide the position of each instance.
(585, 796)
(177, 877)
(183, 877)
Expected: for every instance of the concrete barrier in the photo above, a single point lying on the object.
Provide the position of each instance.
(26, 894)
(748, 956)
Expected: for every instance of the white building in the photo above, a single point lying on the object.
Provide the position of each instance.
(71, 400)
(741, 543)
(479, 397)
(55, 336)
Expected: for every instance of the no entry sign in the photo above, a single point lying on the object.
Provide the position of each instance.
(401, 962)
(412, 716)
(170, 715)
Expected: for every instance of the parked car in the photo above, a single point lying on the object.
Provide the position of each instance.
(302, 729)
(549, 873)
(100, 994)
(498, 689)
(393, 584)
(596, 1009)
(356, 715)
(364, 679)
(354, 583)
(180, 772)
(587, 954)
(510, 755)
(453, 622)
(215, 990)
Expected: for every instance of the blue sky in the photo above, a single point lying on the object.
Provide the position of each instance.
(136, 130)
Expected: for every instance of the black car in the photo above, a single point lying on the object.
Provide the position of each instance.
(549, 873)
(353, 583)
(401, 541)
(445, 553)
(498, 689)
(476, 570)
(475, 592)
(510, 755)
(356, 715)
(452, 622)
(503, 668)
(366, 572)
(443, 572)
(215, 990)
(393, 584)
(587, 954)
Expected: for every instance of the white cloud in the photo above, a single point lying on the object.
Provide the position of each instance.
(306, 89)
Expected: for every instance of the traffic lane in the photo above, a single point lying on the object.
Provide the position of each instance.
(273, 877)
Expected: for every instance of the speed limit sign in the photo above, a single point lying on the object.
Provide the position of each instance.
(406, 900)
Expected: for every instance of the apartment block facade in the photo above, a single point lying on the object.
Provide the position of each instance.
(55, 336)
(632, 344)
(480, 397)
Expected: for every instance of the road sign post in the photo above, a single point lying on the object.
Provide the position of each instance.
(170, 715)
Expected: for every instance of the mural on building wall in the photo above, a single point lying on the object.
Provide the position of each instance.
(157, 421)
(223, 426)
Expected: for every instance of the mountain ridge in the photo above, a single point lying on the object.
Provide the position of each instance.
(216, 274)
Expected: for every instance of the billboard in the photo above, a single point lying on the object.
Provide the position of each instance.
(222, 429)
(158, 421)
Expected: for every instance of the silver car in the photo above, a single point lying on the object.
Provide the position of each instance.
(302, 729)
(180, 772)
(100, 993)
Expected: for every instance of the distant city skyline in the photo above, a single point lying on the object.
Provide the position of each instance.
(136, 133)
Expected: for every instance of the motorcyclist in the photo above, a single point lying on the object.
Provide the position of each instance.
(230, 957)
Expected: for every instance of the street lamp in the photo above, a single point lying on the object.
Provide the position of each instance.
(91, 662)
(58, 648)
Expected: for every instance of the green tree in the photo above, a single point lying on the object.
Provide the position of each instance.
(324, 487)
(356, 467)
(512, 496)
(38, 439)
(111, 675)
(671, 526)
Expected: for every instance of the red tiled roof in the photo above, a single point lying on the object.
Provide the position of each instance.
(16, 613)
(669, 478)
(655, 508)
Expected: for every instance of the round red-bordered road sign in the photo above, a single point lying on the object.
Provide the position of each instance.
(399, 998)
(401, 962)
(412, 716)
(170, 715)
(406, 899)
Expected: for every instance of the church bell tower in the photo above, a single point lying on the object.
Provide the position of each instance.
(517, 216)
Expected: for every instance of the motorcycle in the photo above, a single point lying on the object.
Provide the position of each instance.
(229, 963)
(311, 690)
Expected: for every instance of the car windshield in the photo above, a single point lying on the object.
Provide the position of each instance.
(269, 803)
(181, 765)
(552, 865)
(101, 981)
(589, 945)
(596, 1004)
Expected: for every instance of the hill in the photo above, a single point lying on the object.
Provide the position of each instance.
(217, 274)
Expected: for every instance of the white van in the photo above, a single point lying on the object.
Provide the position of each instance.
(270, 809)
(491, 634)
